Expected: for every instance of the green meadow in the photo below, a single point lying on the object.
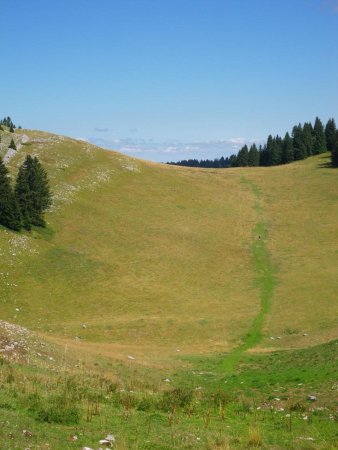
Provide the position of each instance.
(171, 307)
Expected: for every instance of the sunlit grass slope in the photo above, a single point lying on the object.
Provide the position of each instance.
(144, 256)
(300, 206)
(150, 260)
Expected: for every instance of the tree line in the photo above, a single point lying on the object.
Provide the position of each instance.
(305, 140)
(7, 122)
(217, 163)
(23, 205)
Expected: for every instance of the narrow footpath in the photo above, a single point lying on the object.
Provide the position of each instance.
(265, 281)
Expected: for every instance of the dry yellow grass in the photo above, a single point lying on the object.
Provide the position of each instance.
(144, 255)
(300, 206)
(156, 261)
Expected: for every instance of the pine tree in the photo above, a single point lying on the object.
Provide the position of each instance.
(9, 210)
(23, 196)
(287, 149)
(276, 151)
(32, 192)
(243, 156)
(233, 160)
(308, 138)
(319, 143)
(12, 145)
(299, 149)
(334, 154)
(253, 157)
(330, 134)
(263, 156)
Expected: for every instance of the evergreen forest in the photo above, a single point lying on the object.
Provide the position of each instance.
(304, 141)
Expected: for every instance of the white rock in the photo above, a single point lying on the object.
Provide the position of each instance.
(110, 437)
(24, 139)
(130, 357)
(312, 398)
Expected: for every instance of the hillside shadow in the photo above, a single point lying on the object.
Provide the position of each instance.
(325, 163)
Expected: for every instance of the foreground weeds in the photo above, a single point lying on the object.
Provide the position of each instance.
(278, 401)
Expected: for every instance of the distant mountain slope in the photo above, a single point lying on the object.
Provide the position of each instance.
(155, 260)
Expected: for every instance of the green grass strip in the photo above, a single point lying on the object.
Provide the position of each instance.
(265, 280)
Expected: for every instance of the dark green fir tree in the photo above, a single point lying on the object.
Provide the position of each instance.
(287, 149)
(334, 151)
(308, 138)
(319, 141)
(32, 192)
(9, 210)
(243, 157)
(330, 134)
(253, 157)
(12, 144)
(299, 149)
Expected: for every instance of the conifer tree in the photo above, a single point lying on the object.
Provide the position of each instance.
(243, 156)
(233, 160)
(330, 134)
(299, 149)
(287, 149)
(12, 145)
(276, 151)
(319, 144)
(334, 154)
(9, 210)
(253, 157)
(308, 138)
(23, 196)
(32, 192)
(263, 156)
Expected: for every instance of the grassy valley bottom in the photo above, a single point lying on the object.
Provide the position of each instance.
(280, 400)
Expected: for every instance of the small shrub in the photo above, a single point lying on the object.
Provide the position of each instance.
(177, 398)
(146, 404)
(297, 406)
(125, 399)
(222, 398)
(58, 411)
(10, 377)
(58, 414)
(218, 443)
(255, 437)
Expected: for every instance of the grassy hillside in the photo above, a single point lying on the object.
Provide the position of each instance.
(158, 260)
(176, 308)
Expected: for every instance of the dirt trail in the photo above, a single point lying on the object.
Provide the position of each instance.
(265, 281)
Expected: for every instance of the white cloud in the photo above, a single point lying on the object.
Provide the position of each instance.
(102, 130)
(161, 151)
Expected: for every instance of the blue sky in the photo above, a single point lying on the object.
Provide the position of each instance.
(169, 79)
